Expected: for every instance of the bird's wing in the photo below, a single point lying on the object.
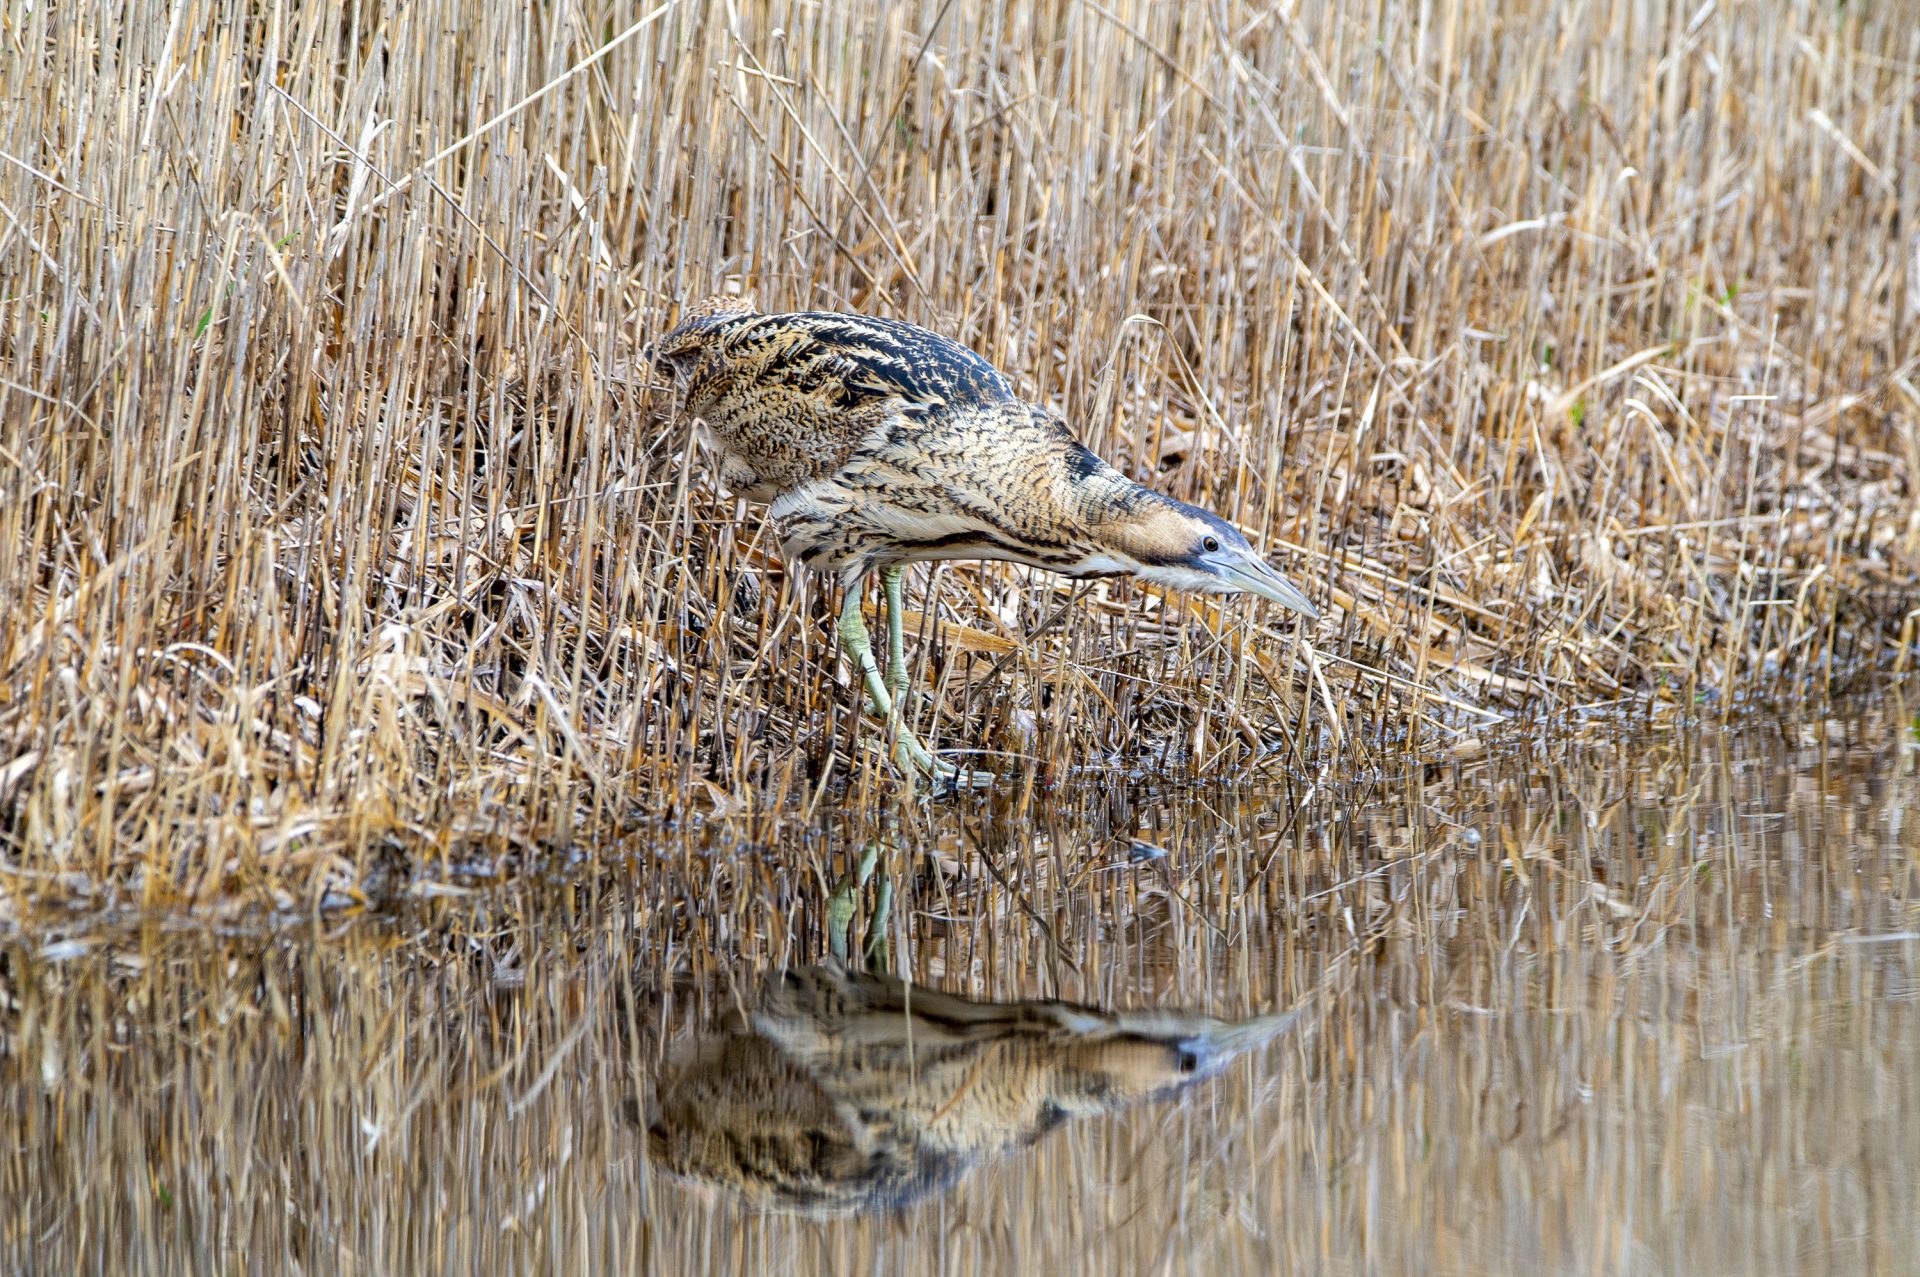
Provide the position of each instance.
(888, 358)
(853, 360)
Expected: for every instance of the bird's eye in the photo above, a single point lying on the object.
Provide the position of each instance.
(1210, 545)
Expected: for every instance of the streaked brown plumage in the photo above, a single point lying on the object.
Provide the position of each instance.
(880, 443)
(845, 1092)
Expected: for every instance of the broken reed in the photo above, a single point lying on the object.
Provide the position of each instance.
(1567, 352)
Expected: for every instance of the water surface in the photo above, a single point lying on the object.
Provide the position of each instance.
(1645, 1006)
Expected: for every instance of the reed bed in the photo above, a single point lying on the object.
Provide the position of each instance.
(1566, 351)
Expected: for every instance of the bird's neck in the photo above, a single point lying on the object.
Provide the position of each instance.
(1099, 496)
(1118, 525)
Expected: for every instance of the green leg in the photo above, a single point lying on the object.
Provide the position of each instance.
(840, 917)
(846, 899)
(896, 634)
(853, 637)
(879, 955)
(890, 584)
(908, 753)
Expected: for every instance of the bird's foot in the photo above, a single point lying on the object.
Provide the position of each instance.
(914, 757)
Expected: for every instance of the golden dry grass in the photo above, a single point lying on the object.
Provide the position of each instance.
(1566, 350)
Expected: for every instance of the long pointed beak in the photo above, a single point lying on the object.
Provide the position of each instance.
(1222, 1043)
(1247, 571)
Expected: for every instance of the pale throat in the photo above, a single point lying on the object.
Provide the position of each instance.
(1172, 576)
(1178, 576)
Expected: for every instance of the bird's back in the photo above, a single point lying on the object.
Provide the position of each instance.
(789, 398)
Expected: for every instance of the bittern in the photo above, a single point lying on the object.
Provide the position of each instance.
(880, 444)
(837, 1092)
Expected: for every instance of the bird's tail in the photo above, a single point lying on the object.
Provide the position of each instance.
(678, 350)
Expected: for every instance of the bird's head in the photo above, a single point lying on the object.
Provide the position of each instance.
(1183, 547)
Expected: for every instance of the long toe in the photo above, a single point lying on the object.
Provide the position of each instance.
(952, 777)
(912, 756)
(963, 777)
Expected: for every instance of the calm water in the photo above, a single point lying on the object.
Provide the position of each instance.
(1636, 1008)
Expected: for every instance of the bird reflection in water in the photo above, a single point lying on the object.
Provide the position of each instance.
(840, 1091)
